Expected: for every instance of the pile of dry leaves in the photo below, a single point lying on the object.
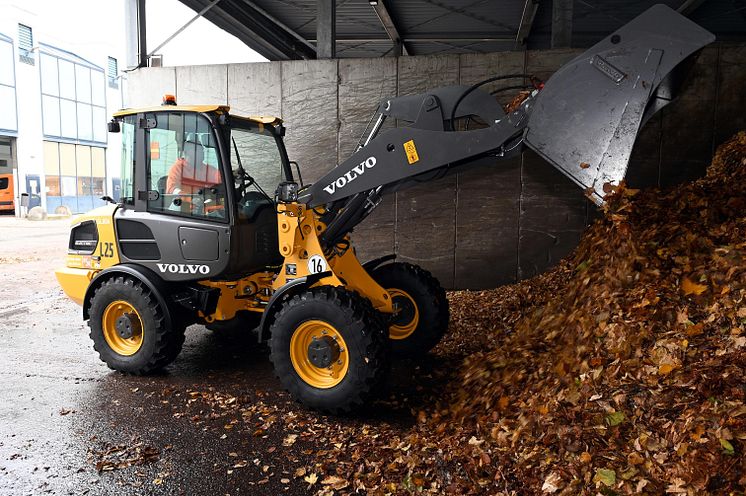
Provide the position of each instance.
(621, 371)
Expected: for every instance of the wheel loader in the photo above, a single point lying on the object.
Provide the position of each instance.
(214, 226)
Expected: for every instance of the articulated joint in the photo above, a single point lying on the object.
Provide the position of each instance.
(299, 229)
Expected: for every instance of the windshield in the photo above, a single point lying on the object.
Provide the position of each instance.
(256, 162)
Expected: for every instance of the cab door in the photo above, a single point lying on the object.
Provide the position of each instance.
(175, 219)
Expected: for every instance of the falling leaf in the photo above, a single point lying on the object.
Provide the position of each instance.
(605, 476)
(689, 287)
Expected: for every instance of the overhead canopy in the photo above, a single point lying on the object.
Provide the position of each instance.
(287, 29)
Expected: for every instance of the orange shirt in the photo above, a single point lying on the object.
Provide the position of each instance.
(189, 180)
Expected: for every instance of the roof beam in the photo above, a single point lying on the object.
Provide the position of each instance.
(527, 21)
(257, 30)
(389, 25)
(561, 23)
(279, 24)
(689, 6)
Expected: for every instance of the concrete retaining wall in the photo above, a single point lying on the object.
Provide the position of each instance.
(491, 224)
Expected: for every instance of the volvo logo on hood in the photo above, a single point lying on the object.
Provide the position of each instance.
(350, 175)
(184, 268)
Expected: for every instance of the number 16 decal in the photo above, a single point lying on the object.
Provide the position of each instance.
(316, 264)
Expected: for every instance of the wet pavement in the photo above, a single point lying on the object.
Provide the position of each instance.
(215, 422)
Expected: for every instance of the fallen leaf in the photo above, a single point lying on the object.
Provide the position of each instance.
(605, 476)
(690, 287)
(552, 483)
(311, 478)
(728, 448)
(614, 418)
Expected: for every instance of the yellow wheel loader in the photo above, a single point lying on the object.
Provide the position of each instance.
(213, 227)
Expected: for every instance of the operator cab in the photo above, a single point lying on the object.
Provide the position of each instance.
(197, 190)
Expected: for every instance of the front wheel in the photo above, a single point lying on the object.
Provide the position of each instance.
(329, 349)
(422, 314)
(128, 328)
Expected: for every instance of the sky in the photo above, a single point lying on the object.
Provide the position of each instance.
(201, 43)
(102, 22)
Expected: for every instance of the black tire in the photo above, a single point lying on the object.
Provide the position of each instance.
(361, 330)
(160, 344)
(431, 305)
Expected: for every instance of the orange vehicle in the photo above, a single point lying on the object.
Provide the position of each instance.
(7, 202)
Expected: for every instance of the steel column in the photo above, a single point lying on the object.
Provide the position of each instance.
(326, 31)
(561, 23)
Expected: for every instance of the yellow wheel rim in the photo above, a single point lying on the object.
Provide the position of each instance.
(127, 339)
(402, 328)
(318, 333)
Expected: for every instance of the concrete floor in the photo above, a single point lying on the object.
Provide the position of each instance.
(60, 407)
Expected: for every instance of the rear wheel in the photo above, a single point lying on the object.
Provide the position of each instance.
(128, 328)
(422, 314)
(329, 349)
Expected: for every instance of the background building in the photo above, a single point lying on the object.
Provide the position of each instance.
(59, 83)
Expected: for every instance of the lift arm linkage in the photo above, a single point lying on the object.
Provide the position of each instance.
(584, 121)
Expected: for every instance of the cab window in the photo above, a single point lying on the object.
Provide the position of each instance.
(127, 174)
(257, 165)
(184, 175)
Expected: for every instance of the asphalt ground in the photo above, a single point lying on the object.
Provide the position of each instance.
(214, 422)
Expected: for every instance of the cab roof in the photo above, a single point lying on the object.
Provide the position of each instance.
(259, 119)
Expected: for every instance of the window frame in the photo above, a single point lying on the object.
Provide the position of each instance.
(249, 125)
(26, 55)
(144, 153)
(11, 131)
(51, 54)
(112, 79)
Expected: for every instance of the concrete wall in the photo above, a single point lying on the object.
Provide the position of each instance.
(490, 224)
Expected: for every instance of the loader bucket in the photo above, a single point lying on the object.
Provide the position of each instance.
(586, 119)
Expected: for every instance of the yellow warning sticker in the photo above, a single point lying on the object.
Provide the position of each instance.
(411, 152)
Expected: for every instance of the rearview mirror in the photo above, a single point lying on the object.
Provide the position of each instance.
(113, 126)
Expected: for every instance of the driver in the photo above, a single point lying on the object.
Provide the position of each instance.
(189, 174)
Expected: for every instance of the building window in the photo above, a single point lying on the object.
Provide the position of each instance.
(75, 175)
(8, 121)
(25, 44)
(113, 73)
(73, 97)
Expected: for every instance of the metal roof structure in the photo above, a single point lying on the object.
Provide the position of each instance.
(288, 29)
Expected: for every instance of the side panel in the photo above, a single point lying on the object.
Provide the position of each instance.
(181, 258)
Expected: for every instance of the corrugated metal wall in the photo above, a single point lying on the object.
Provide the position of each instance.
(491, 224)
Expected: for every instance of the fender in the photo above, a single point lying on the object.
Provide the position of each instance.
(277, 298)
(372, 265)
(142, 274)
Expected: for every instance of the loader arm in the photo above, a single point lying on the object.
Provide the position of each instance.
(584, 121)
